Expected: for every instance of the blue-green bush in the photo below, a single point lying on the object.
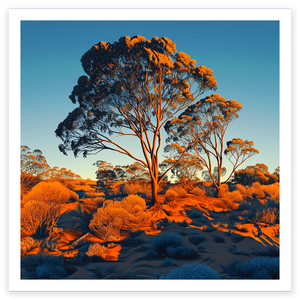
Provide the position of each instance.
(168, 261)
(257, 268)
(194, 214)
(160, 242)
(196, 239)
(46, 266)
(201, 246)
(192, 271)
(181, 252)
(219, 239)
(209, 229)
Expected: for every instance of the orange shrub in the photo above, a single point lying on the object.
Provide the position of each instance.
(198, 191)
(272, 191)
(127, 214)
(235, 196)
(38, 218)
(97, 250)
(50, 193)
(138, 186)
(29, 243)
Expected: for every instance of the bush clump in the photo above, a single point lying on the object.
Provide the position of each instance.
(197, 239)
(46, 266)
(160, 242)
(97, 250)
(181, 252)
(28, 244)
(127, 214)
(50, 193)
(39, 218)
(192, 271)
(257, 268)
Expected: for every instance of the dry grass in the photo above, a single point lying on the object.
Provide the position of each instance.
(198, 191)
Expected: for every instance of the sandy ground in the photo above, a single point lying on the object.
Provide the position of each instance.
(218, 253)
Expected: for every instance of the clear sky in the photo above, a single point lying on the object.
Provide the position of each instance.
(244, 56)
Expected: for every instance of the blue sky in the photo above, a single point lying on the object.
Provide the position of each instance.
(244, 56)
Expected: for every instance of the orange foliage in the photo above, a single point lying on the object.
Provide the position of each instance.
(97, 250)
(50, 193)
(39, 218)
(127, 214)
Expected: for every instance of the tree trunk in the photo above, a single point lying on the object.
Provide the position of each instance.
(154, 192)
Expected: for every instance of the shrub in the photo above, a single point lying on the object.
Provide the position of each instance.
(39, 218)
(181, 192)
(181, 252)
(209, 229)
(235, 196)
(127, 214)
(266, 215)
(236, 237)
(97, 250)
(219, 239)
(272, 251)
(192, 271)
(257, 268)
(225, 204)
(198, 192)
(195, 214)
(137, 187)
(28, 181)
(28, 244)
(50, 193)
(45, 266)
(170, 195)
(196, 239)
(184, 223)
(160, 242)
(201, 246)
(168, 262)
(151, 255)
(51, 271)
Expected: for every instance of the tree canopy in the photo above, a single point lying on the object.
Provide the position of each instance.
(258, 173)
(201, 129)
(131, 89)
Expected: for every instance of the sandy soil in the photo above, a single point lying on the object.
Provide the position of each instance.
(198, 214)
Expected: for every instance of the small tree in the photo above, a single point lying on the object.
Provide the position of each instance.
(186, 171)
(60, 174)
(32, 162)
(258, 173)
(107, 173)
(132, 88)
(201, 129)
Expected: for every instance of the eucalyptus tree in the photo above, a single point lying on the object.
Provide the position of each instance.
(132, 87)
(200, 131)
